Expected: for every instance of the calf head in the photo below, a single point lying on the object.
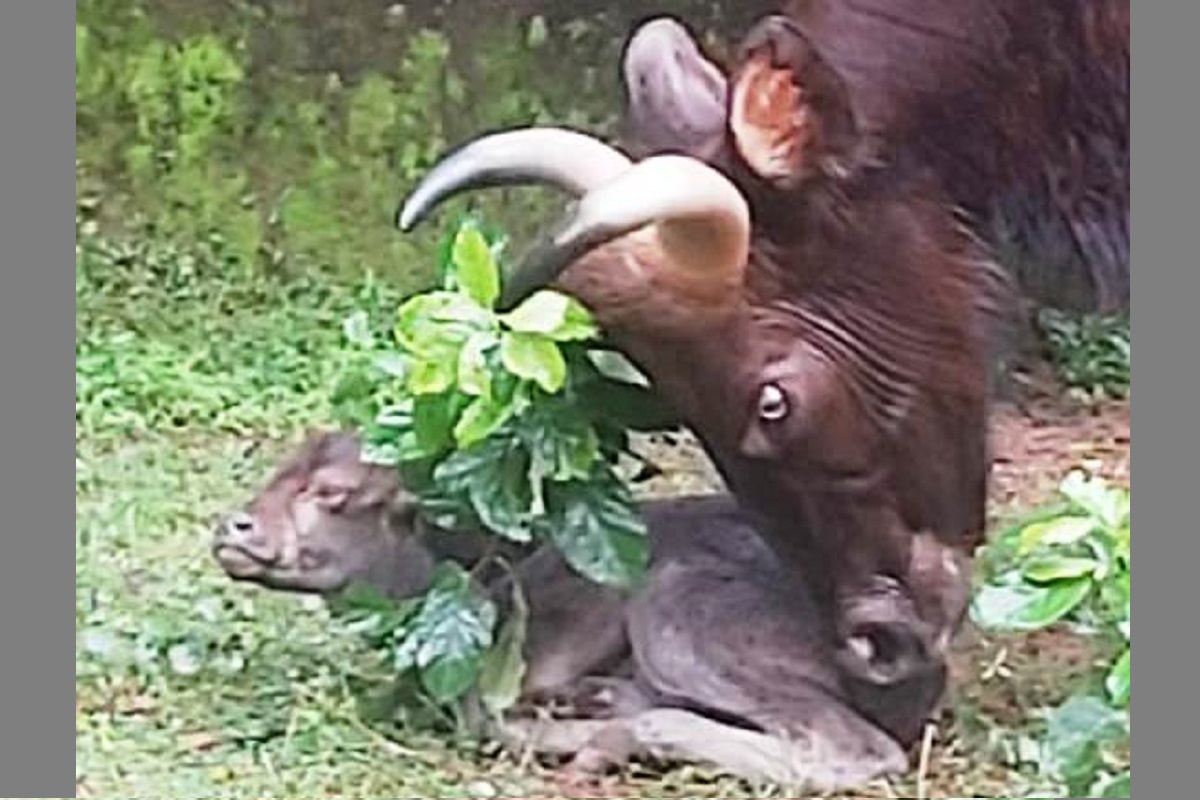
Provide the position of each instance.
(323, 521)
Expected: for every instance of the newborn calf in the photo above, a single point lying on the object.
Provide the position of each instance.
(716, 658)
(326, 520)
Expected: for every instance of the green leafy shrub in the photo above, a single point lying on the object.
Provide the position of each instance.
(176, 339)
(1091, 351)
(513, 423)
(1071, 565)
(198, 125)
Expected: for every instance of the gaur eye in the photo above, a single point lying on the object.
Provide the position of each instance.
(772, 403)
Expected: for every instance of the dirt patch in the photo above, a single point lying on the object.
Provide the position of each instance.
(1035, 445)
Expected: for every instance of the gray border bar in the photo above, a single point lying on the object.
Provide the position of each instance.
(1165, 192)
(34, 539)
(36, 542)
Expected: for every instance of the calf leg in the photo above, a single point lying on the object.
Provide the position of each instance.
(812, 763)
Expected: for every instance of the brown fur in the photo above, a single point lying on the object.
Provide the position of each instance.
(1020, 107)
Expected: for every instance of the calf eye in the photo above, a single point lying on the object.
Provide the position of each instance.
(772, 403)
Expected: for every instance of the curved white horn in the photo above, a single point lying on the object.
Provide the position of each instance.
(568, 160)
(700, 219)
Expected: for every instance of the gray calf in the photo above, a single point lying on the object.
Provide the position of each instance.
(715, 659)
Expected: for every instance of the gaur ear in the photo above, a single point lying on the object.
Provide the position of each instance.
(790, 115)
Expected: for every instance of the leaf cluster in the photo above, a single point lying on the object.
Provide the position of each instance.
(514, 423)
(1070, 564)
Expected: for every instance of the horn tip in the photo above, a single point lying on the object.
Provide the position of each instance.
(408, 216)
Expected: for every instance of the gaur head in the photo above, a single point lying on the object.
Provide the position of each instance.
(820, 321)
(324, 520)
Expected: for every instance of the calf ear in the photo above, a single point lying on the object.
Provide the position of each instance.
(790, 116)
(380, 487)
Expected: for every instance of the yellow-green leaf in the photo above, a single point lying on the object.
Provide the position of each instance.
(534, 358)
(474, 267)
(1056, 532)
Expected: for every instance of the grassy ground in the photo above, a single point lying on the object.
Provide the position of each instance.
(191, 686)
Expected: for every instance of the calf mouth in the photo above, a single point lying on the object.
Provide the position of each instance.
(239, 562)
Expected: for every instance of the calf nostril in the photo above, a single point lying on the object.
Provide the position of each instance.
(240, 523)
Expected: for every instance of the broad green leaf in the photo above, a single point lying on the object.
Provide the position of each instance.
(483, 417)
(554, 315)
(431, 376)
(441, 307)
(1117, 682)
(454, 628)
(598, 530)
(1007, 543)
(1075, 732)
(447, 678)
(1049, 569)
(1122, 509)
(434, 326)
(1113, 787)
(365, 611)
(504, 665)
(562, 445)
(474, 268)
(433, 423)
(534, 358)
(445, 257)
(1026, 607)
(490, 478)
(1114, 594)
(1057, 532)
(502, 499)
(474, 377)
(360, 599)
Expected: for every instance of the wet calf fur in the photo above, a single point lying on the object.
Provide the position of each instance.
(719, 657)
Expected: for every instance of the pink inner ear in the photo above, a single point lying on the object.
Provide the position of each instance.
(769, 120)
